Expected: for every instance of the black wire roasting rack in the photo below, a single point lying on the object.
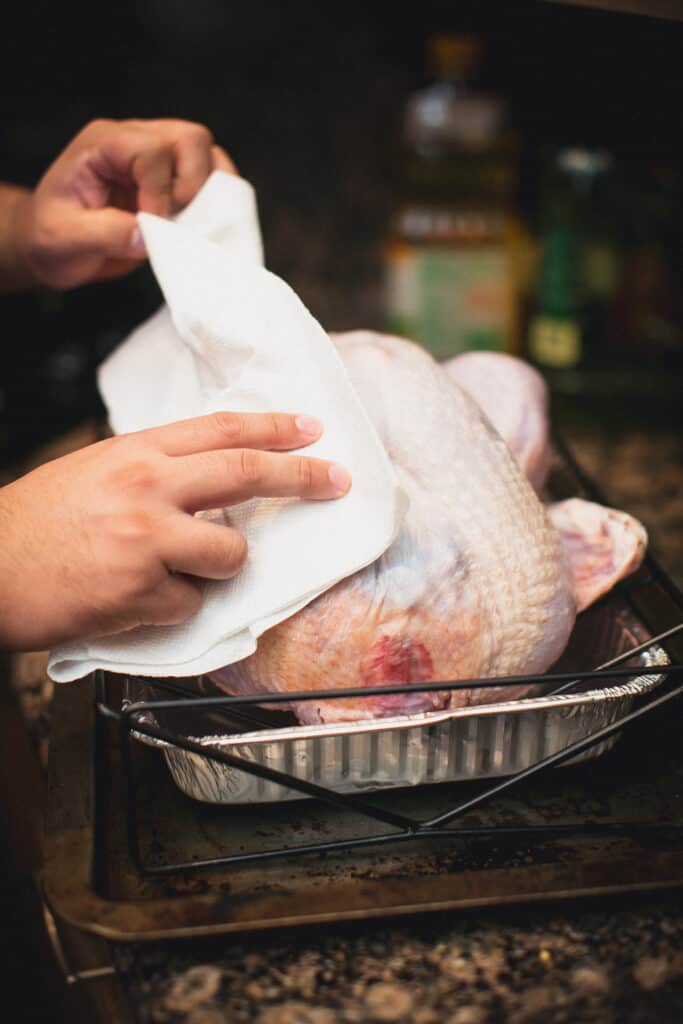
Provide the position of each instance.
(641, 595)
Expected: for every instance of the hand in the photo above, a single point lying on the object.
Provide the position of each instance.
(105, 539)
(79, 225)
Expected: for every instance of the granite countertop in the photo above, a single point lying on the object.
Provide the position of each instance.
(609, 960)
(542, 965)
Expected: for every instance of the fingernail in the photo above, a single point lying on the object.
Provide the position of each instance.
(309, 425)
(136, 245)
(339, 478)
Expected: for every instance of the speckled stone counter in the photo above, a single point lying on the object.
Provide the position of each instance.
(606, 961)
(613, 963)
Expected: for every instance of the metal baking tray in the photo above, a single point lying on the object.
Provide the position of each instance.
(594, 829)
(130, 857)
(412, 750)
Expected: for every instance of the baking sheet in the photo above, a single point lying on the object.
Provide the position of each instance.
(620, 821)
(91, 882)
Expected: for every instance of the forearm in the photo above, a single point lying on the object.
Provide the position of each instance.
(15, 272)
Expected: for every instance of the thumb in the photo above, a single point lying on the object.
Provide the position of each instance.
(108, 232)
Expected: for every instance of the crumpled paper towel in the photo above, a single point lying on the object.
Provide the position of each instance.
(234, 336)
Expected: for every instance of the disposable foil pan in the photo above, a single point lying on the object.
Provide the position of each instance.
(445, 746)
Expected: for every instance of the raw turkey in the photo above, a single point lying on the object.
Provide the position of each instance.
(601, 545)
(514, 397)
(481, 581)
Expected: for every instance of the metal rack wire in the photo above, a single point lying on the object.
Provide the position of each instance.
(406, 828)
(134, 719)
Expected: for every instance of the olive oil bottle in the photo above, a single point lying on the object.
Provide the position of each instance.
(455, 256)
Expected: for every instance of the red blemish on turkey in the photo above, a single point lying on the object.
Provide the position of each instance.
(394, 660)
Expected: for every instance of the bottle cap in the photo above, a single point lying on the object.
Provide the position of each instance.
(584, 162)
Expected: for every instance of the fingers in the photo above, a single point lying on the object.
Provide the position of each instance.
(193, 163)
(110, 157)
(221, 161)
(193, 157)
(152, 169)
(82, 225)
(195, 548)
(226, 458)
(204, 549)
(197, 154)
(109, 232)
(69, 246)
(168, 160)
(173, 601)
(219, 478)
(269, 431)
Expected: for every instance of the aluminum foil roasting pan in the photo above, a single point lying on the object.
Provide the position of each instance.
(467, 743)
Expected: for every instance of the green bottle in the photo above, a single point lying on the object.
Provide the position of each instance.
(578, 269)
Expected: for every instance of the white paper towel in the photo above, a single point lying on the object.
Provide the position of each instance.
(234, 336)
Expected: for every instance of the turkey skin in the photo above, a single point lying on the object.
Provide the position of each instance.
(476, 584)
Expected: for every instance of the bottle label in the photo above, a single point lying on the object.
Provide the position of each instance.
(450, 300)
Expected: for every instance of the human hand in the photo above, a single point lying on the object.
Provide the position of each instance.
(104, 539)
(79, 224)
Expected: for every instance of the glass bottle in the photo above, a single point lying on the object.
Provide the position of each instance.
(454, 255)
(579, 265)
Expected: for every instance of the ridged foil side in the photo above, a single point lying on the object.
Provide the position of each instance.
(412, 750)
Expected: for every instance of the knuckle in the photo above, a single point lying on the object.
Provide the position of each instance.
(130, 582)
(138, 477)
(230, 428)
(277, 428)
(122, 449)
(137, 586)
(123, 442)
(153, 154)
(115, 604)
(183, 604)
(305, 474)
(137, 527)
(237, 549)
(199, 134)
(222, 158)
(250, 467)
(190, 601)
(97, 127)
(46, 239)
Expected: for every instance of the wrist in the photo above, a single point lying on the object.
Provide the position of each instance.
(16, 272)
(11, 610)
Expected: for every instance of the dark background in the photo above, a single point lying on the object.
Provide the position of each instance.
(306, 97)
